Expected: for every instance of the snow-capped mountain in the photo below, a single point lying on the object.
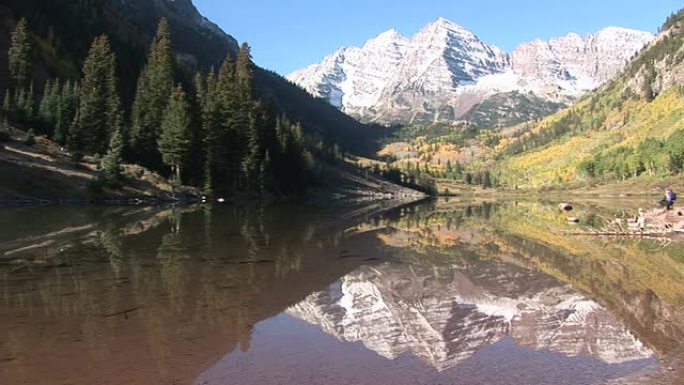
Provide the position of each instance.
(445, 314)
(444, 70)
(363, 72)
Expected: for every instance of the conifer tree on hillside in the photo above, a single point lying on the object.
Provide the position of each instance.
(7, 102)
(20, 61)
(211, 127)
(24, 105)
(66, 111)
(99, 114)
(43, 113)
(234, 122)
(195, 163)
(175, 138)
(293, 166)
(245, 147)
(5, 129)
(244, 71)
(254, 151)
(111, 162)
(49, 105)
(152, 96)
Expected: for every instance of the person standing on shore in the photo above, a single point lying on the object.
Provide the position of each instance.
(669, 200)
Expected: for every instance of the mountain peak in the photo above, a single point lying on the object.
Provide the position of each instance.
(615, 29)
(617, 32)
(444, 70)
(442, 23)
(390, 36)
(391, 33)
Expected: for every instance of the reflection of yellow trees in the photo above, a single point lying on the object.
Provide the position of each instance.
(641, 282)
(637, 265)
(432, 229)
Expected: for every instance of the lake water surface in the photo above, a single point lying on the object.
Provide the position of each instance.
(441, 292)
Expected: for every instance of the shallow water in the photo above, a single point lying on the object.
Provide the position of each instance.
(444, 292)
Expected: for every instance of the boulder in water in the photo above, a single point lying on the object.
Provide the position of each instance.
(565, 207)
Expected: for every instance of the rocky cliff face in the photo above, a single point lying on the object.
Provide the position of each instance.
(181, 11)
(444, 314)
(444, 70)
(578, 63)
(194, 35)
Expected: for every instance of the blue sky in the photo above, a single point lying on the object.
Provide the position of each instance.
(287, 35)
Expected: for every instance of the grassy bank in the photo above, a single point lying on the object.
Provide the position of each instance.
(43, 171)
(642, 187)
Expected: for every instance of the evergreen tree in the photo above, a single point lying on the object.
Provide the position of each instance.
(208, 186)
(244, 71)
(458, 170)
(7, 103)
(266, 171)
(252, 160)
(111, 162)
(175, 140)
(152, 96)
(43, 112)
(76, 139)
(295, 163)
(235, 120)
(30, 105)
(648, 79)
(20, 63)
(24, 109)
(17, 112)
(49, 105)
(486, 179)
(66, 111)
(99, 107)
(5, 130)
(211, 128)
(226, 80)
(194, 166)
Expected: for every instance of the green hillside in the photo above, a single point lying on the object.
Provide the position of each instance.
(631, 128)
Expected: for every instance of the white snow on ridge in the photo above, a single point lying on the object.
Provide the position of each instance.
(444, 65)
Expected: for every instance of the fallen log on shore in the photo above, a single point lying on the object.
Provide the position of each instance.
(658, 234)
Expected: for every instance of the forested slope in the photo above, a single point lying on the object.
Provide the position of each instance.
(632, 127)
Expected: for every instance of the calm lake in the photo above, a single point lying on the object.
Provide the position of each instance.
(440, 292)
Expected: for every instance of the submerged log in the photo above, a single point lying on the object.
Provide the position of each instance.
(123, 312)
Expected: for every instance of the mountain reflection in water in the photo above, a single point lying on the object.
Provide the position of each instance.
(435, 293)
(445, 314)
